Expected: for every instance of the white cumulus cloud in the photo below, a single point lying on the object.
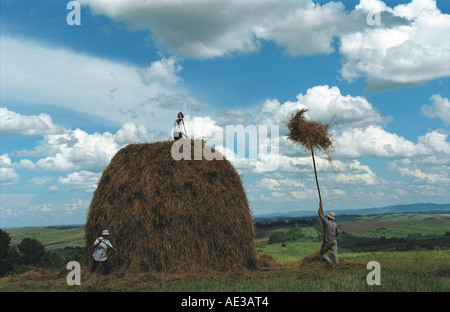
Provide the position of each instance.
(27, 125)
(7, 173)
(409, 46)
(439, 109)
(207, 29)
(390, 56)
(81, 180)
(112, 91)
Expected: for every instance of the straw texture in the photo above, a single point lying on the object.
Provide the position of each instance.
(310, 134)
(168, 215)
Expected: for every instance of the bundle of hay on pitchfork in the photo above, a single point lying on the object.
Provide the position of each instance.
(311, 134)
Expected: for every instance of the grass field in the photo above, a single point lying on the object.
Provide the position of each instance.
(425, 271)
(397, 229)
(290, 267)
(52, 237)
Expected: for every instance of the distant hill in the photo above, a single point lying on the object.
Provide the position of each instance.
(416, 208)
(52, 237)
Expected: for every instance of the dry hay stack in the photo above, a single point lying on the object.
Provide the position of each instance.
(168, 215)
(265, 260)
(311, 134)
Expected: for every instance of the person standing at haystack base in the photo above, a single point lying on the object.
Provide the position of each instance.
(101, 245)
(178, 132)
(330, 232)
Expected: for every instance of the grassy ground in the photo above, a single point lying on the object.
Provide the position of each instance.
(412, 271)
(292, 252)
(420, 226)
(403, 229)
(289, 268)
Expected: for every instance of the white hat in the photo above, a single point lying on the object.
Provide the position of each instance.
(331, 215)
(105, 233)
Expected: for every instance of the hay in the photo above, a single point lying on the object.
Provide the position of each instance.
(265, 261)
(168, 215)
(315, 263)
(310, 134)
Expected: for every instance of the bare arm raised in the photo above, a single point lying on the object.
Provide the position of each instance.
(320, 212)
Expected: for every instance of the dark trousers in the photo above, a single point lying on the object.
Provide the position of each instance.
(332, 247)
(177, 136)
(105, 265)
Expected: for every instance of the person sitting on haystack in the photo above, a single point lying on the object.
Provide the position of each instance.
(178, 132)
(330, 232)
(101, 245)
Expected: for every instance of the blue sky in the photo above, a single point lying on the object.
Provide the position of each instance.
(72, 96)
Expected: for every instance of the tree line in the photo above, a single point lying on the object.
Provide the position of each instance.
(296, 231)
(31, 253)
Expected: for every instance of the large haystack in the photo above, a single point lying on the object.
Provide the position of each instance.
(166, 215)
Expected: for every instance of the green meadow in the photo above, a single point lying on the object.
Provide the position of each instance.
(413, 251)
(52, 237)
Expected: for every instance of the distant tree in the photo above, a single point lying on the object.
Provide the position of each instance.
(5, 252)
(293, 234)
(277, 237)
(297, 232)
(72, 253)
(9, 257)
(32, 252)
(318, 226)
(5, 240)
